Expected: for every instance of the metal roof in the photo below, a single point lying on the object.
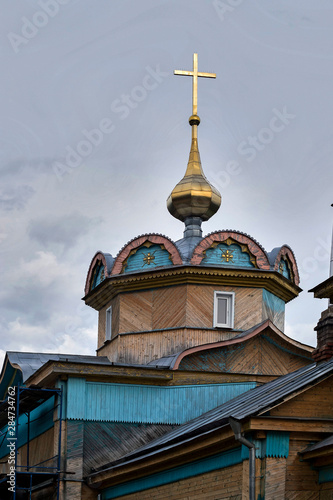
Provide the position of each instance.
(254, 402)
(165, 361)
(30, 398)
(30, 362)
(111, 440)
(320, 445)
(186, 246)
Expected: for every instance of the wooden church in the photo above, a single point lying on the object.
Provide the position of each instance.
(195, 391)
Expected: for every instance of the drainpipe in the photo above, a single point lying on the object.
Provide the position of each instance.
(237, 428)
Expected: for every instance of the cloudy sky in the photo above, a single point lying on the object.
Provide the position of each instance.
(94, 136)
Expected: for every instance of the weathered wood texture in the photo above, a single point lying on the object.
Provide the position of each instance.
(275, 478)
(224, 484)
(301, 479)
(144, 347)
(40, 449)
(258, 355)
(313, 403)
(102, 319)
(170, 308)
(326, 491)
(178, 306)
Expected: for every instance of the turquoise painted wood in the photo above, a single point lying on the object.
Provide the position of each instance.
(146, 258)
(325, 474)
(99, 276)
(76, 398)
(41, 420)
(285, 269)
(146, 404)
(11, 377)
(227, 255)
(274, 303)
(275, 445)
(220, 461)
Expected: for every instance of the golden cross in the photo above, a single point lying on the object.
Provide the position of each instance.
(227, 255)
(195, 73)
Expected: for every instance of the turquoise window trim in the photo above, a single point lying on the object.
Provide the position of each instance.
(215, 462)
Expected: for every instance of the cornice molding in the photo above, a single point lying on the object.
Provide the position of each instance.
(178, 275)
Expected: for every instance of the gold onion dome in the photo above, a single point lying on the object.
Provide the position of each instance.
(194, 196)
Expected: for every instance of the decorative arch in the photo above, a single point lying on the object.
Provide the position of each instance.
(285, 263)
(257, 256)
(147, 241)
(99, 269)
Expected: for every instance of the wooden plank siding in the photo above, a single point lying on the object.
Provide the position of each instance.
(143, 347)
(223, 484)
(275, 478)
(40, 449)
(257, 355)
(316, 402)
(301, 479)
(176, 307)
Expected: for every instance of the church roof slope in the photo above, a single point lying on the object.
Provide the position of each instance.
(29, 362)
(173, 361)
(254, 402)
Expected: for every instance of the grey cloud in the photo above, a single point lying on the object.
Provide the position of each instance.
(63, 230)
(33, 165)
(15, 198)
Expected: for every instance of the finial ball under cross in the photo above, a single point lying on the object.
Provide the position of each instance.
(195, 73)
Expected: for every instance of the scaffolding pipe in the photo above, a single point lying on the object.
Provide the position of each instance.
(236, 427)
(16, 435)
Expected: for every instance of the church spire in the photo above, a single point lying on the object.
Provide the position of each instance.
(194, 199)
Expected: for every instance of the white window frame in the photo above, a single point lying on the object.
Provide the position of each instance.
(230, 296)
(108, 324)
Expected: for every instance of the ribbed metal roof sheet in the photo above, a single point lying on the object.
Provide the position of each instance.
(105, 441)
(254, 402)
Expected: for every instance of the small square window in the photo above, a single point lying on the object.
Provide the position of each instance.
(108, 324)
(224, 309)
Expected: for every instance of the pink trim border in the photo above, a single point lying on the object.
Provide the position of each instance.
(260, 255)
(137, 242)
